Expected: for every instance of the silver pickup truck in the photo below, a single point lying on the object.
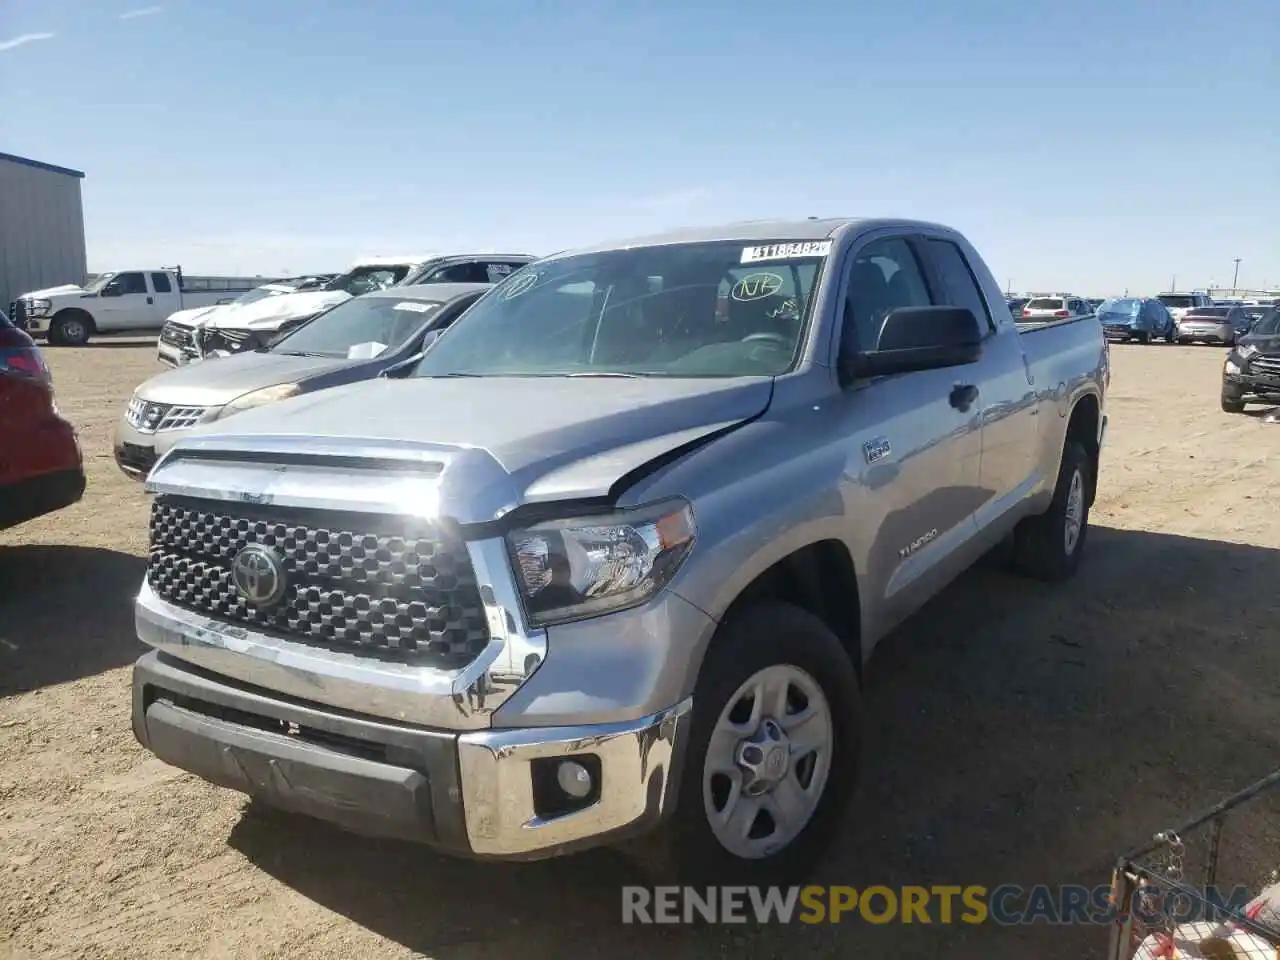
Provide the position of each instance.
(606, 563)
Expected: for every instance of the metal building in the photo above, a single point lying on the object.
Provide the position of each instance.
(41, 227)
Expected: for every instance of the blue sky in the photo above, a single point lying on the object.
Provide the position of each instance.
(1096, 145)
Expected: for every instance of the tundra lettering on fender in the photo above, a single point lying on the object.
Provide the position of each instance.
(605, 565)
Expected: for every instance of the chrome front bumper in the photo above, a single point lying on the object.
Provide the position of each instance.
(472, 794)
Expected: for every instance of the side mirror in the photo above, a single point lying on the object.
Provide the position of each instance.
(922, 338)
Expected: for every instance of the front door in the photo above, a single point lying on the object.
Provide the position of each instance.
(125, 303)
(913, 444)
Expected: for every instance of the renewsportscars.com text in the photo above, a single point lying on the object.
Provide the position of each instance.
(1008, 904)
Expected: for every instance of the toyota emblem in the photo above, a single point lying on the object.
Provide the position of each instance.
(258, 575)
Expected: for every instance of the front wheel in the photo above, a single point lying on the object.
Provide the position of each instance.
(69, 330)
(1049, 547)
(1231, 404)
(772, 753)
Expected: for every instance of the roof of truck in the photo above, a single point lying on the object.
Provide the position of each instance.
(808, 228)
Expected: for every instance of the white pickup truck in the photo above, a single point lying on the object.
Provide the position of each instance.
(240, 329)
(127, 300)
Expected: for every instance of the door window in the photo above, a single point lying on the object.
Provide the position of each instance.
(469, 272)
(959, 287)
(885, 275)
(123, 283)
(160, 283)
(497, 272)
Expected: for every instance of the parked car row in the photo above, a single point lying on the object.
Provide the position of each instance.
(357, 339)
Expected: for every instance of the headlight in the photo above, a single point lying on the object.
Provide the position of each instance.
(588, 566)
(256, 398)
(1231, 366)
(40, 308)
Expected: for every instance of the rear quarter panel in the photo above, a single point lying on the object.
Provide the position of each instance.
(1068, 361)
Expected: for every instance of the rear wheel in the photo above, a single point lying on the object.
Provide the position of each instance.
(1048, 547)
(772, 753)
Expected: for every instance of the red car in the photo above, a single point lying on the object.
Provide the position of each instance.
(41, 469)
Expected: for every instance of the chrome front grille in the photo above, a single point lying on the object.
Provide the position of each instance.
(1269, 365)
(148, 417)
(177, 335)
(379, 586)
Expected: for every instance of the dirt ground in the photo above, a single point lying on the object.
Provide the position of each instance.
(1018, 733)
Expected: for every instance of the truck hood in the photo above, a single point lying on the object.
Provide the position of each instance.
(269, 313)
(468, 449)
(215, 383)
(193, 316)
(1267, 344)
(47, 292)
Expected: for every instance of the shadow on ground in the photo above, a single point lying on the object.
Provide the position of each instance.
(65, 613)
(1018, 733)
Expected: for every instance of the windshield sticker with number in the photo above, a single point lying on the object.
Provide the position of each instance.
(786, 251)
(756, 286)
(414, 306)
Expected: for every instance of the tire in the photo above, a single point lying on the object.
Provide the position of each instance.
(776, 640)
(1144, 338)
(1232, 405)
(1042, 547)
(70, 329)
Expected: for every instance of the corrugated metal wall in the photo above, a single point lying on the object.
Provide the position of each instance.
(41, 229)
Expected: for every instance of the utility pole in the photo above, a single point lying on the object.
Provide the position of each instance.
(1235, 276)
(1173, 283)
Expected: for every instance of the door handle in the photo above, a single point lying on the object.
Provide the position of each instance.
(149, 300)
(963, 395)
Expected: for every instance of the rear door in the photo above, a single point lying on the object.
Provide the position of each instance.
(915, 455)
(166, 298)
(1006, 397)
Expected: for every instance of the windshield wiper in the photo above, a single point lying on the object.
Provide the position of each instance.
(603, 373)
(299, 353)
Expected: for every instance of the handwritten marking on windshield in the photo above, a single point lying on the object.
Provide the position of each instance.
(756, 286)
(521, 284)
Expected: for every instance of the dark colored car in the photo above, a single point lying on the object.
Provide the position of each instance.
(1136, 318)
(41, 468)
(1251, 373)
(357, 339)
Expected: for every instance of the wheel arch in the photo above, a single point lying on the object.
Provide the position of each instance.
(819, 577)
(1085, 426)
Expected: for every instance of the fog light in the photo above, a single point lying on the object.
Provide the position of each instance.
(574, 779)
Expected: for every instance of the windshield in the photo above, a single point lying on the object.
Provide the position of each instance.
(1177, 301)
(93, 286)
(1269, 325)
(374, 325)
(368, 279)
(720, 309)
(1211, 311)
(261, 293)
(1128, 308)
